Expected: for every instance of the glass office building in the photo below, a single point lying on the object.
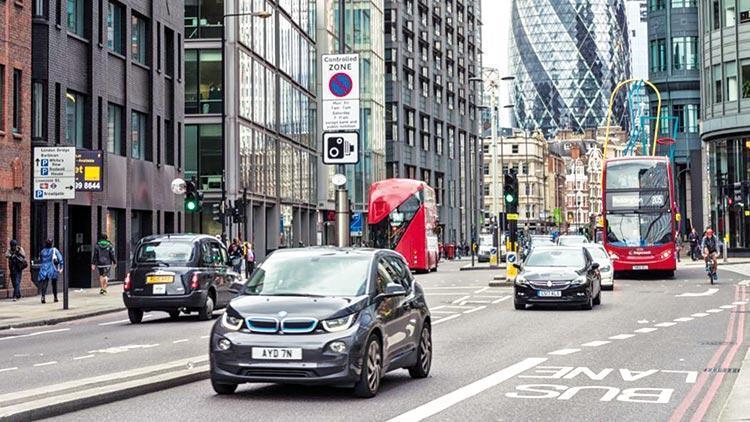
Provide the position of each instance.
(567, 57)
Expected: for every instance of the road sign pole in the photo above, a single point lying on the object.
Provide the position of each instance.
(342, 195)
(66, 255)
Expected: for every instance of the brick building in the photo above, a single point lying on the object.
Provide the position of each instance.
(15, 138)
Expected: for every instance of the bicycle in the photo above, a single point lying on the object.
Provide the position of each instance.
(710, 269)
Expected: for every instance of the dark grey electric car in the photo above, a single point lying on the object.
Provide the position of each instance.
(323, 316)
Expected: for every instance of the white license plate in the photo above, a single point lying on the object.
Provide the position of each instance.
(549, 293)
(159, 289)
(640, 267)
(277, 353)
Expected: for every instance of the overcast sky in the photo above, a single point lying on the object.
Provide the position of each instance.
(495, 33)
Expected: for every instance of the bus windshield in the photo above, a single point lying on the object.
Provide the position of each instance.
(639, 229)
(637, 174)
(388, 232)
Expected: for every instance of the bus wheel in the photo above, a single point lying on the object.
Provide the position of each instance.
(669, 274)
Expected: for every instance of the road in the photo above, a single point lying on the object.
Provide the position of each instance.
(641, 355)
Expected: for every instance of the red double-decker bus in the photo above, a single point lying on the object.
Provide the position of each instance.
(639, 214)
(403, 216)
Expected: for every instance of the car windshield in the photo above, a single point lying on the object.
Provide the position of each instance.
(639, 229)
(556, 258)
(571, 240)
(317, 275)
(168, 251)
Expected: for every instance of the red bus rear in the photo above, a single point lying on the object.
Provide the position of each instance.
(403, 216)
(639, 214)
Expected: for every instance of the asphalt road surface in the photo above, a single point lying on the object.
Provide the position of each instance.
(657, 350)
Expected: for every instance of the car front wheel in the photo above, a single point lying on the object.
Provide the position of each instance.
(135, 316)
(207, 311)
(589, 305)
(598, 298)
(372, 363)
(424, 355)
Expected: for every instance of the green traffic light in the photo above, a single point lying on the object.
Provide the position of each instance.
(508, 198)
(191, 205)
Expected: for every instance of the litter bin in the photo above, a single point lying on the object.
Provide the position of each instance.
(450, 251)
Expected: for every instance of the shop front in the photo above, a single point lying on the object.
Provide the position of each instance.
(729, 199)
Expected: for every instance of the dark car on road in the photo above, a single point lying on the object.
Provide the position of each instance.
(322, 315)
(558, 275)
(179, 273)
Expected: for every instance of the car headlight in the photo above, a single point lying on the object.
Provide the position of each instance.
(604, 269)
(520, 280)
(338, 324)
(231, 322)
(581, 279)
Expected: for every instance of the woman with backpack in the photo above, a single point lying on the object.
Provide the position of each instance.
(16, 263)
(51, 265)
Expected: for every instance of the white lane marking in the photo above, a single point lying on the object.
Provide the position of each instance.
(114, 322)
(596, 343)
(478, 308)
(445, 294)
(451, 288)
(699, 314)
(121, 349)
(477, 301)
(8, 369)
(444, 402)
(708, 292)
(739, 303)
(643, 321)
(59, 330)
(683, 319)
(182, 340)
(501, 299)
(83, 357)
(481, 290)
(622, 336)
(448, 318)
(665, 324)
(645, 330)
(53, 362)
(714, 311)
(490, 296)
(727, 306)
(205, 336)
(563, 352)
(451, 306)
(442, 312)
(461, 299)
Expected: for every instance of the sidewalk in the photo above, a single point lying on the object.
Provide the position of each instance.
(737, 407)
(29, 311)
(687, 262)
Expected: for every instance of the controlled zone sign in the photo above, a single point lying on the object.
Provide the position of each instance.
(340, 76)
(341, 148)
(54, 173)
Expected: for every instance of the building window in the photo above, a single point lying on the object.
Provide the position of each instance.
(40, 8)
(203, 90)
(169, 52)
(74, 118)
(76, 17)
(677, 4)
(115, 13)
(17, 102)
(2, 97)
(203, 154)
(718, 89)
(168, 142)
(115, 125)
(138, 44)
(203, 18)
(691, 117)
(716, 9)
(730, 13)
(658, 57)
(745, 65)
(657, 5)
(514, 149)
(37, 110)
(138, 138)
(685, 53)
(730, 73)
(744, 11)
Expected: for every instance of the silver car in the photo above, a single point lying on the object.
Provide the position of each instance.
(606, 270)
(572, 240)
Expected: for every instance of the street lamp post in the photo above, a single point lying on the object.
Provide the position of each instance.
(263, 14)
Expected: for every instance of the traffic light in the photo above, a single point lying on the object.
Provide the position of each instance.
(218, 213)
(510, 192)
(193, 197)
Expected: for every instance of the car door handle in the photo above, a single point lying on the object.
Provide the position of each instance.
(406, 306)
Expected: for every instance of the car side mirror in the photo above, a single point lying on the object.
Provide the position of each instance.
(236, 287)
(517, 266)
(393, 290)
(595, 266)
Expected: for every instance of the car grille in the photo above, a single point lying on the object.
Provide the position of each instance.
(270, 325)
(556, 284)
(298, 325)
(278, 373)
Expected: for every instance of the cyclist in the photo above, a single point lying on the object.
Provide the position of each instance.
(710, 246)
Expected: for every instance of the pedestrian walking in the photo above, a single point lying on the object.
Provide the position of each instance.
(102, 261)
(51, 265)
(16, 263)
(249, 260)
(235, 255)
(678, 246)
(693, 238)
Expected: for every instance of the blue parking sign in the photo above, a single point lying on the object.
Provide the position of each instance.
(39, 194)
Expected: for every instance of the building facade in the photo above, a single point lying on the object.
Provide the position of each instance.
(724, 39)
(637, 16)
(567, 58)
(108, 76)
(363, 33)
(675, 70)
(15, 135)
(264, 87)
(433, 89)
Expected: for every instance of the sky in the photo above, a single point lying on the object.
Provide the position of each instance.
(495, 34)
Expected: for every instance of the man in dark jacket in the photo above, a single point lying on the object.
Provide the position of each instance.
(16, 263)
(102, 261)
(693, 238)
